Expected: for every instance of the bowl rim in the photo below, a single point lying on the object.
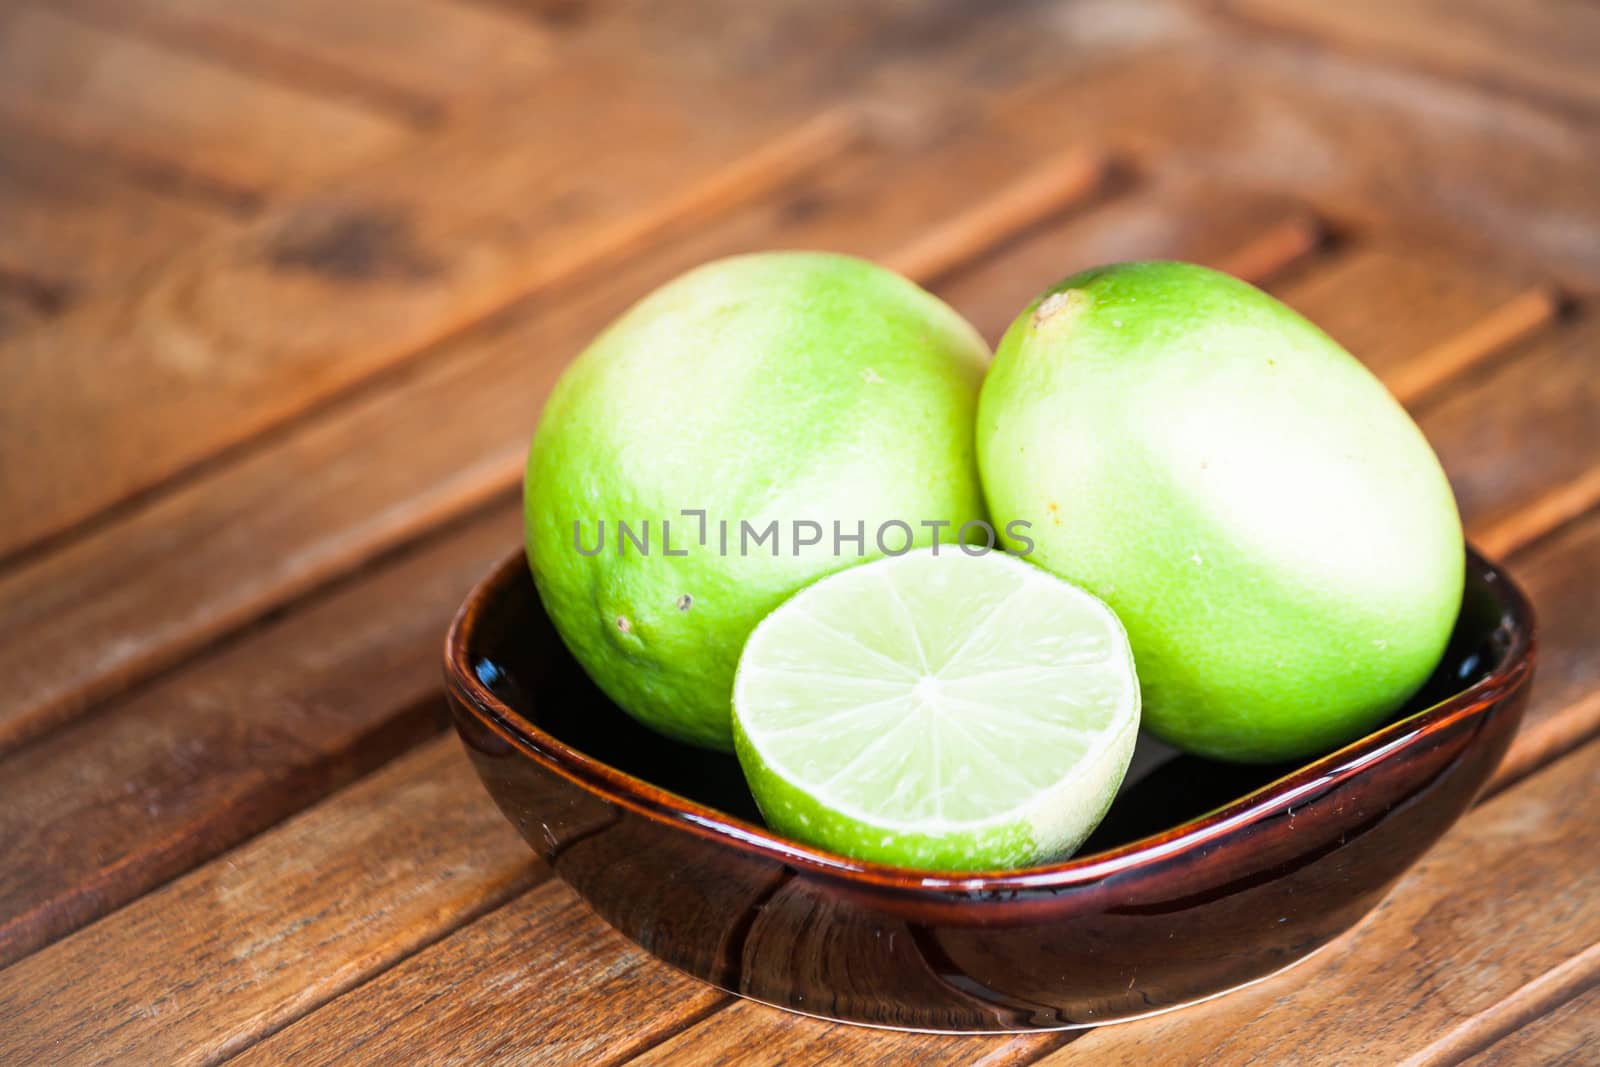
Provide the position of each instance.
(662, 806)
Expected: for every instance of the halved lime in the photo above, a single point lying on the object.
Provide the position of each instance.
(938, 710)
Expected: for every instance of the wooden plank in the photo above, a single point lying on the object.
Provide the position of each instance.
(374, 486)
(1500, 905)
(1567, 1037)
(1419, 315)
(1545, 47)
(100, 813)
(542, 980)
(246, 331)
(1250, 234)
(755, 1035)
(69, 226)
(1520, 441)
(904, 57)
(176, 116)
(1544, 994)
(1558, 573)
(1386, 148)
(419, 57)
(1047, 187)
(324, 498)
(214, 961)
(16, 313)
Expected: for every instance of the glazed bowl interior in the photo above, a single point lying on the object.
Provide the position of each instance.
(506, 661)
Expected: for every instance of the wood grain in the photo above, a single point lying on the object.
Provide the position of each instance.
(173, 116)
(910, 60)
(1544, 994)
(271, 931)
(1519, 438)
(135, 597)
(1558, 574)
(1569, 1036)
(1393, 150)
(17, 312)
(358, 276)
(1049, 187)
(71, 227)
(1544, 47)
(102, 617)
(752, 1034)
(418, 57)
(1248, 233)
(236, 741)
(1417, 316)
(542, 980)
(1498, 904)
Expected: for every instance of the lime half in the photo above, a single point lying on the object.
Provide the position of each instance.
(941, 711)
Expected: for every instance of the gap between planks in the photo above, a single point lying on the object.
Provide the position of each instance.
(1539, 54)
(428, 865)
(274, 748)
(1362, 138)
(1568, 1036)
(1532, 1001)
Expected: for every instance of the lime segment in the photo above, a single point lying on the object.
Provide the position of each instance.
(938, 710)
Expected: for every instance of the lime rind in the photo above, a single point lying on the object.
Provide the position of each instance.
(958, 712)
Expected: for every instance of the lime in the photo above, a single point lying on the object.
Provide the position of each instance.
(1264, 517)
(757, 423)
(938, 710)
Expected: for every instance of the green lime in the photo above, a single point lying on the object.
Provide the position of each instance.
(755, 424)
(938, 710)
(1264, 517)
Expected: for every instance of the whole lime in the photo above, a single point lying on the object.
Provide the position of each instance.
(1270, 525)
(749, 427)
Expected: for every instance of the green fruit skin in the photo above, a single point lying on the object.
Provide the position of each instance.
(782, 386)
(791, 812)
(1272, 528)
(1005, 846)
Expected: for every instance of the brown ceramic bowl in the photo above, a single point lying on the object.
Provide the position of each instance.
(1204, 877)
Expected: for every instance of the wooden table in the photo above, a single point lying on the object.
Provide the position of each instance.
(282, 285)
